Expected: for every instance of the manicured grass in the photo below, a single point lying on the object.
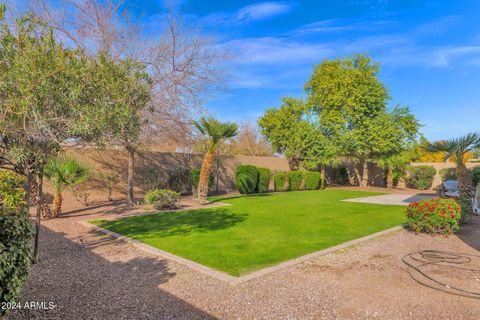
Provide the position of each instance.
(260, 230)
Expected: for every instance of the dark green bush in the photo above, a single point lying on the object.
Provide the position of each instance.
(312, 180)
(15, 234)
(340, 175)
(420, 177)
(179, 179)
(163, 198)
(294, 180)
(448, 174)
(475, 176)
(264, 176)
(246, 178)
(280, 180)
(195, 178)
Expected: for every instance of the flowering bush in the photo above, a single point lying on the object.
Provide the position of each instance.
(434, 216)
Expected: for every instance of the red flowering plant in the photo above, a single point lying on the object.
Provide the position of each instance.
(434, 216)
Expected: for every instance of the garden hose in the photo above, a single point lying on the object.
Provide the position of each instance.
(447, 259)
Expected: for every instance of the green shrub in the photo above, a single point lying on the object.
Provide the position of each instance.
(294, 180)
(434, 216)
(341, 176)
(16, 233)
(12, 194)
(420, 177)
(264, 176)
(179, 179)
(162, 198)
(475, 176)
(448, 174)
(246, 178)
(195, 178)
(280, 180)
(312, 180)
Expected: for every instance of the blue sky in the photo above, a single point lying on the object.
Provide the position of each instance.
(429, 51)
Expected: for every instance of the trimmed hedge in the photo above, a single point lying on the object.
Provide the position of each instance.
(246, 178)
(264, 177)
(312, 180)
(16, 233)
(280, 180)
(420, 177)
(295, 179)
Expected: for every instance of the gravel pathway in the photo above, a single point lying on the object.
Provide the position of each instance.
(91, 276)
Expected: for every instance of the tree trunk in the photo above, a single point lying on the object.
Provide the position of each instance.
(39, 198)
(465, 188)
(364, 179)
(322, 176)
(389, 179)
(28, 188)
(57, 204)
(204, 176)
(358, 176)
(130, 176)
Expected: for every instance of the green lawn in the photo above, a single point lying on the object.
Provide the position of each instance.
(260, 230)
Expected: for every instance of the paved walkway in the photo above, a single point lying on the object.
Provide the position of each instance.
(88, 275)
(393, 199)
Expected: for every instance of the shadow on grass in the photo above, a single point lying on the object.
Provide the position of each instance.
(175, 223)
(220, 198)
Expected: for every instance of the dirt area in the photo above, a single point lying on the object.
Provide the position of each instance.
(91, 276)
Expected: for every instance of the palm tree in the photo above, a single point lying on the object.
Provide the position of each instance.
(62, 172)
(216, 133)
(458, 150)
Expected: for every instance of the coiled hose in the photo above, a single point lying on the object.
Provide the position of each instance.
(419, 259)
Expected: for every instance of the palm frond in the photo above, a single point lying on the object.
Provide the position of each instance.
(457, 149)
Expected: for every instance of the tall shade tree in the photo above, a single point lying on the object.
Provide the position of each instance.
(459, 150)
(45, 93)
(350, 101)
(64, 172)
(216, 132)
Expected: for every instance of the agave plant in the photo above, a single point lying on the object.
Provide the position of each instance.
(216, 133)
(64, 172)
(459, 150)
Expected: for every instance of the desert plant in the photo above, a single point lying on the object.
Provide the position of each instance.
(246, 178)
(434, 216)
(420, 177)
(459, 150)
(448, 174)
(217, 132)
(163, 198)
(179, 179)
(264, 177)
(280, 180)
(295, 179)
(62, 172)
(109, 181)
(313, 180)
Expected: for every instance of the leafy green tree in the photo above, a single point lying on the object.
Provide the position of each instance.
(216, 132)
(46, 93)
(350, 102)
(64, 172)
(459, 150)
(126, 97)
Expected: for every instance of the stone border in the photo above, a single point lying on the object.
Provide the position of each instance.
(226, 277)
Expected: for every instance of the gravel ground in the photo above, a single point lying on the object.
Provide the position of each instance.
(91, 276)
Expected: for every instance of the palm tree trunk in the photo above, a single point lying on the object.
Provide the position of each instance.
(364, 180)
(57, 204)
(130, 176)
(204, 176)
(389, 178)
(465, 188)
(38, 213)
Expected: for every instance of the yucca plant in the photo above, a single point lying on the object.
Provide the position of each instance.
(64, 172)
(459, 150)
(216, 133)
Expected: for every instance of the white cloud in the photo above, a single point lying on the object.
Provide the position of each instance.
(254, 12)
